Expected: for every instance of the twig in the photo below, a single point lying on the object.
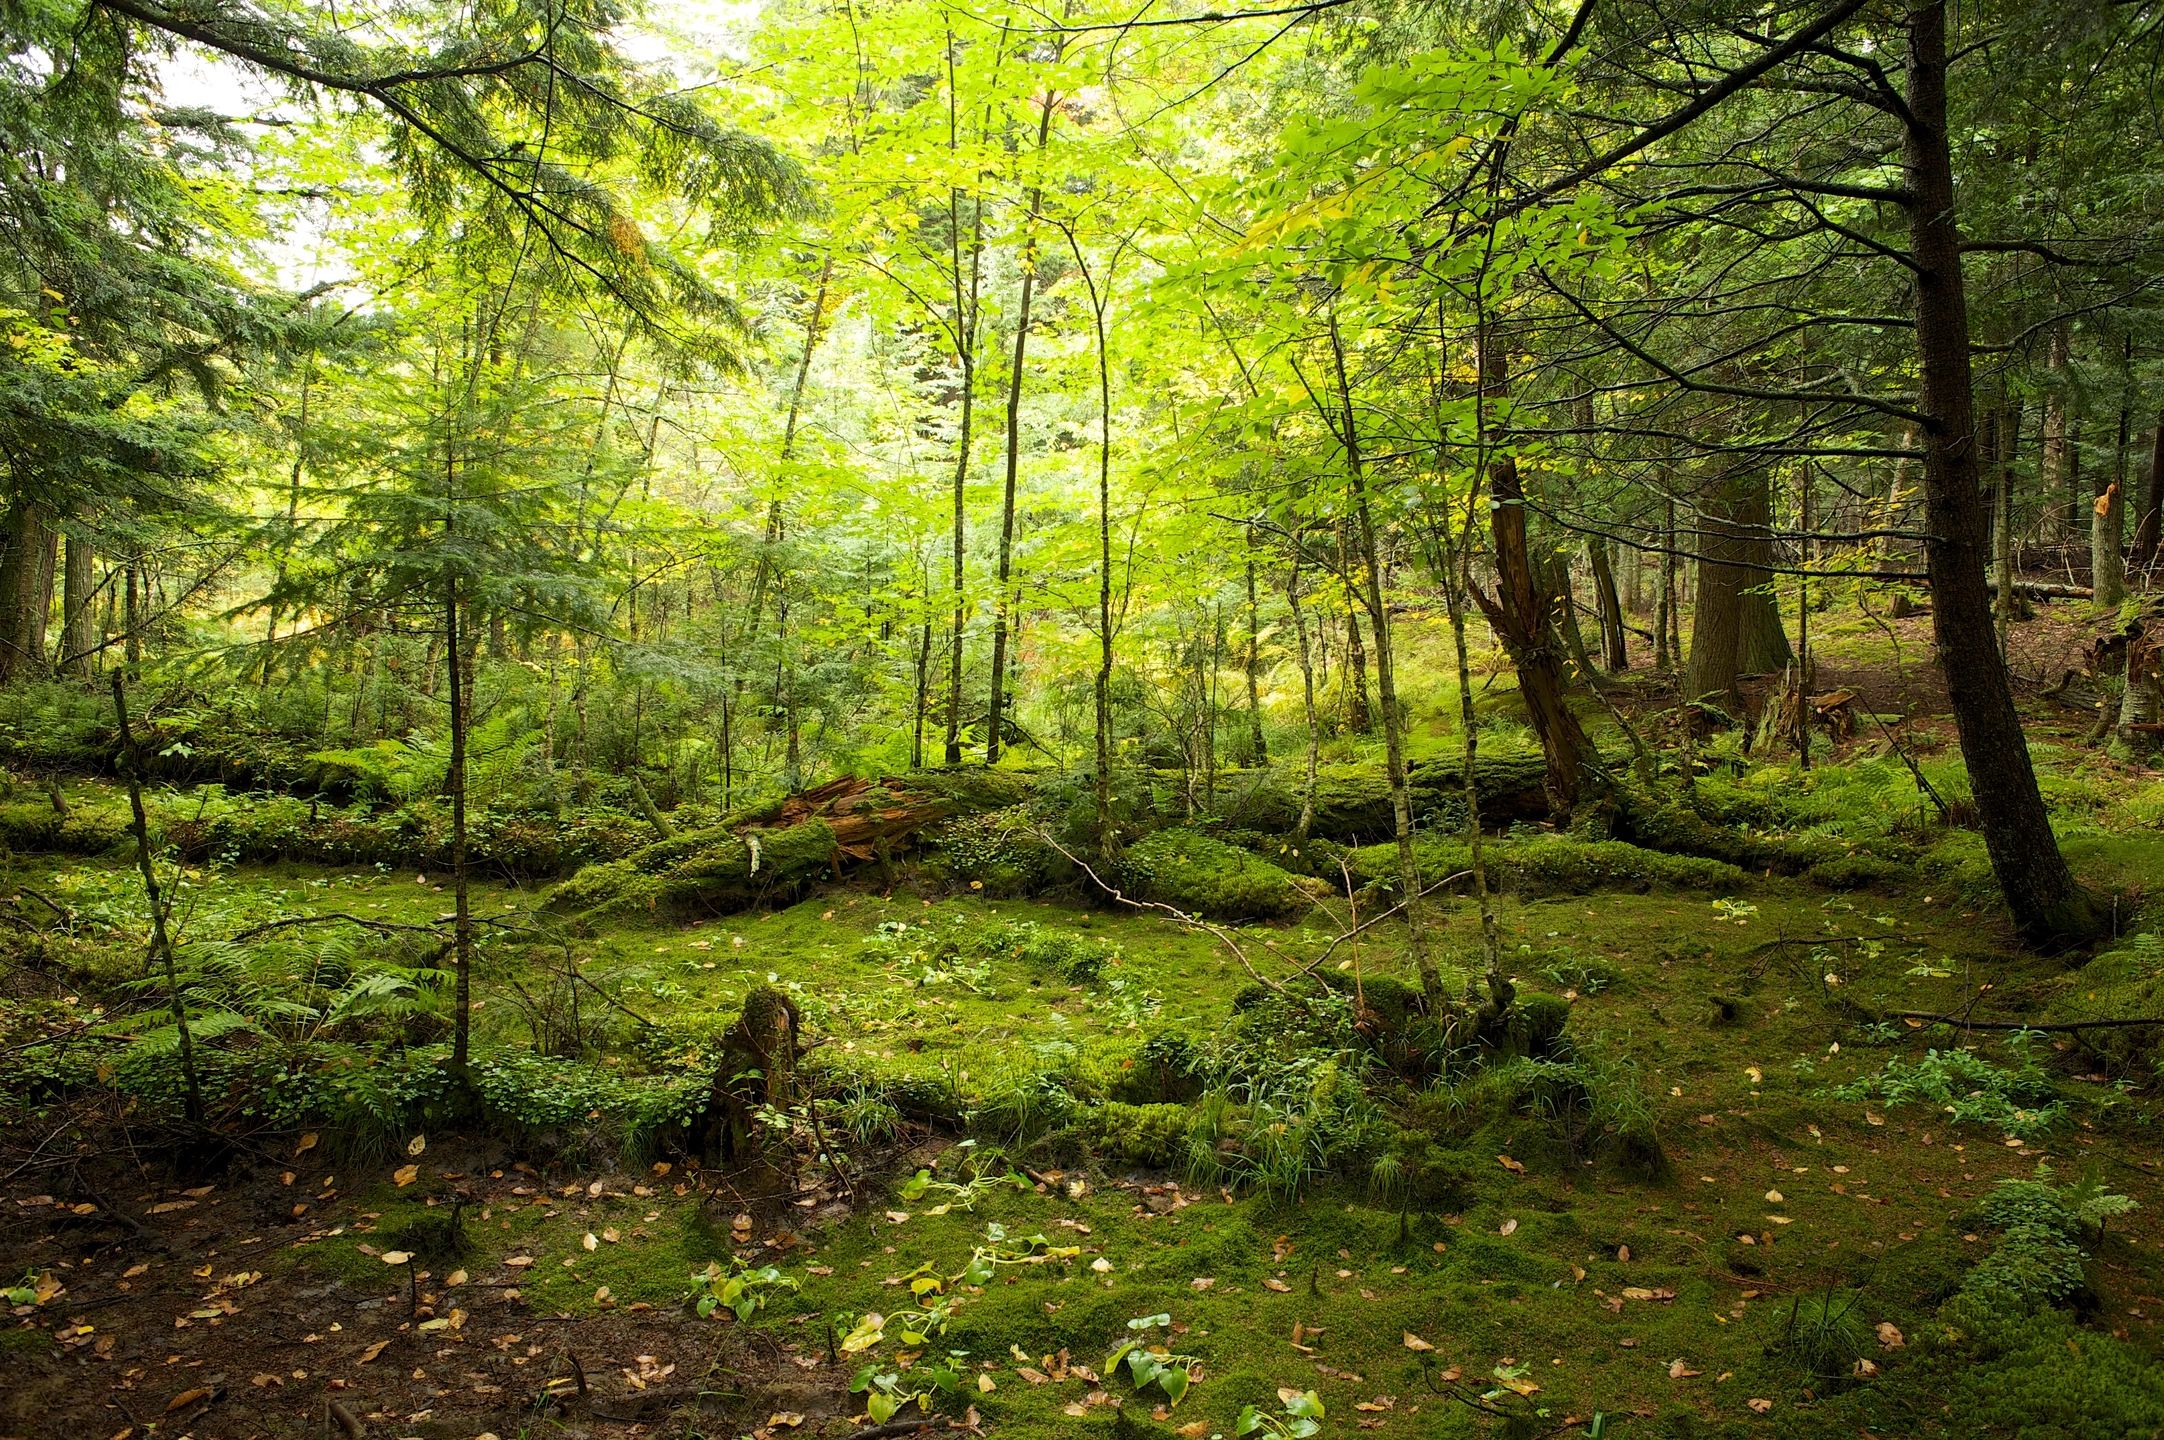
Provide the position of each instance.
(2066, 1027)
(1222, 936)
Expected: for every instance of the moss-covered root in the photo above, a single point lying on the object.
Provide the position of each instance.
(703, 872)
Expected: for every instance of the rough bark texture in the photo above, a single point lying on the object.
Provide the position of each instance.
(2149, 513)
(1522, 616)
(2047, 904)
(26, 590)
(1615, 645)
(78, 615)
(1736, 628)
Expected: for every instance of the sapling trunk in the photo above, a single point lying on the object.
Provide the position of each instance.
(161, 943)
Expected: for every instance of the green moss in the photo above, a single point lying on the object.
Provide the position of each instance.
(1552, 865)
(1149, 1135)
(1205, 876)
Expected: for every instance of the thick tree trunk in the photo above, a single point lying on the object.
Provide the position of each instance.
(2047, 904)
(26, 590)
(1736, 627)
(1615, 643)
(1667, 628)
(78, 615)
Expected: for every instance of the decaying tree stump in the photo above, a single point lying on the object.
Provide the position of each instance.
(755, 1080)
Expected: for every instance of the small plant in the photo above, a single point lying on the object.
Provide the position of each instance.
(963, 1196)
(1826, 1336)
(887, 1392)
(740, 1290)
(1299, 1415)
(2020, 1101)
(1151, 1364)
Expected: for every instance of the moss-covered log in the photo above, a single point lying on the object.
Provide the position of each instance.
(769, 856)
(1352, 802)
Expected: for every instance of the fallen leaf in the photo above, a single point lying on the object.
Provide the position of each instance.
(1273, 1283)
(1202, 1282)
(1889, 1335)
(1759, 1407)
(307, 1143)
(1508, 1227)
(405, 1175)
(1774, 1197)
(591, 1241)
(1513, 1166)
(1414, 1342)
(186, 1398)
(1681, 1370)
(372, 1352)
(417, 1144)
(786, 1419)
(395, 1257)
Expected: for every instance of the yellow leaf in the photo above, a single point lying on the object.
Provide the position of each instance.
(405, 1175)
(1414, 1342)
(417, 1144)
(1513, 1166)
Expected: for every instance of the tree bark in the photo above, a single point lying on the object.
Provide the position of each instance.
(78, 615)
(1615, 643)
(2107, 557)
(26, 590)
(1519, 612)
(2056, 473)
(2048, 905)
(2149, 513)
(1002, 619)
(1736, 626)
(1307, 698)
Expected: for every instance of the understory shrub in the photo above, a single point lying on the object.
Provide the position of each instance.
(2019, 1101)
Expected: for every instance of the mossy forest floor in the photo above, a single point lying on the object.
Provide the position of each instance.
(1800, 1259)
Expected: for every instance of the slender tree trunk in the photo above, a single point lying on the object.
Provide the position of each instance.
(2048, 905)
(455, 780)
(1997, 446)
(1519, 612)
(1401, 805)
(1258, 749)
(131, 650)
(161, 944)
(1667, 631)
(2149, 514)
(2057, 474)
(1002, 619)
(1614, 639)
(1359, 714)
(1307, 706)
(1554, 569)
(2107, 560)
(78, 613)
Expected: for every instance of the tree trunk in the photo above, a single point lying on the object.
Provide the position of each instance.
(78, 615)
(1401, 807)
(2149, 514)
(1258, 748)
(455, 780)
(1359, 714)
(1307, 707)
(1614, 640)
(161, 943)
(1554, 569)
(1002, 619)
(2107, 560)
(1521, 615)
(1736, 627)
(1667, 626)
(2048, 905)
(26, 590)
(2057, 473)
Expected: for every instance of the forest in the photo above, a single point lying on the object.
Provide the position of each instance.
(873, 718)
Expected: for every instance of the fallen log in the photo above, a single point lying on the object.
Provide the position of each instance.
(768, 856)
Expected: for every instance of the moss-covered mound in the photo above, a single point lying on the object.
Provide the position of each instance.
(1204, 875)
(1352, 802)
(703, 872)
(1537, 865)
(2124, 982)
